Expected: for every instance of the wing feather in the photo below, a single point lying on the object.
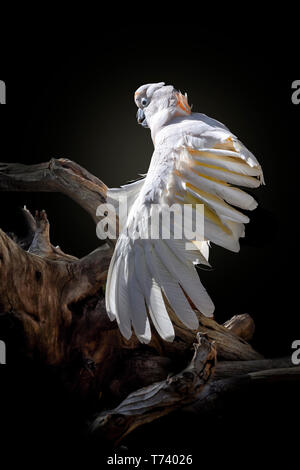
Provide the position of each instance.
(187, 277)
(197, 161)
(153, 297)
(172, 290)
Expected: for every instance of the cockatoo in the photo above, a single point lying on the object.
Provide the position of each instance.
(196, 160)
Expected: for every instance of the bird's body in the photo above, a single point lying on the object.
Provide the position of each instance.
(196, 160)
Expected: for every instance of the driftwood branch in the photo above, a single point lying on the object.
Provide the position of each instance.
(217, 389)
(197, 389)
(242, 326)
(57, 175)
(160, 398)
(59, 300)
(40, 291)
(227, 369)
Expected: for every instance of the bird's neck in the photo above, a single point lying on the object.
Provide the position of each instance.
(159, 120)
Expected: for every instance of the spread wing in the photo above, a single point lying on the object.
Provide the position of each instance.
(203, 167)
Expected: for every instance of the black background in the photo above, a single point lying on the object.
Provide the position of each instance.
(70, 94)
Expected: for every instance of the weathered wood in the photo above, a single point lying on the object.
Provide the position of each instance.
(40, 291)
(242, 326)
(60, 301)
(56, 297)
(40, 244)
(57, 175)
(160, 398)
(226, 369)
(216, 389)
(229, 345)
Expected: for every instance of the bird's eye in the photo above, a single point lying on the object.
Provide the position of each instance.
(144, 101)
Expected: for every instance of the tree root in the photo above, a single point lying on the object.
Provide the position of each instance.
(59, 300)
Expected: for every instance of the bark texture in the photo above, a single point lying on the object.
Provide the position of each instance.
(59, 300)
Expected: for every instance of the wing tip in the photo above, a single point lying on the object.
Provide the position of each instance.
(144, 340)
(193, 325)
(110, 314)
(169, 338)
(126, 333)
(209, 314)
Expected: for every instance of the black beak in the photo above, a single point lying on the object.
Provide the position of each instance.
(141, 119)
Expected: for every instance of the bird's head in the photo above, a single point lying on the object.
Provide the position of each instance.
(158, 104)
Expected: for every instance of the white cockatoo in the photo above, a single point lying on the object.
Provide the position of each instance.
(196, 160)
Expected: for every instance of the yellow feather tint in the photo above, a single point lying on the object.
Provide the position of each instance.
(244, 177)
(227, 145)
(208, 213)
(208, 165)
(212, 179)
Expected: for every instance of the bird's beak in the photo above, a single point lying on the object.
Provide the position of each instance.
(141, 119)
